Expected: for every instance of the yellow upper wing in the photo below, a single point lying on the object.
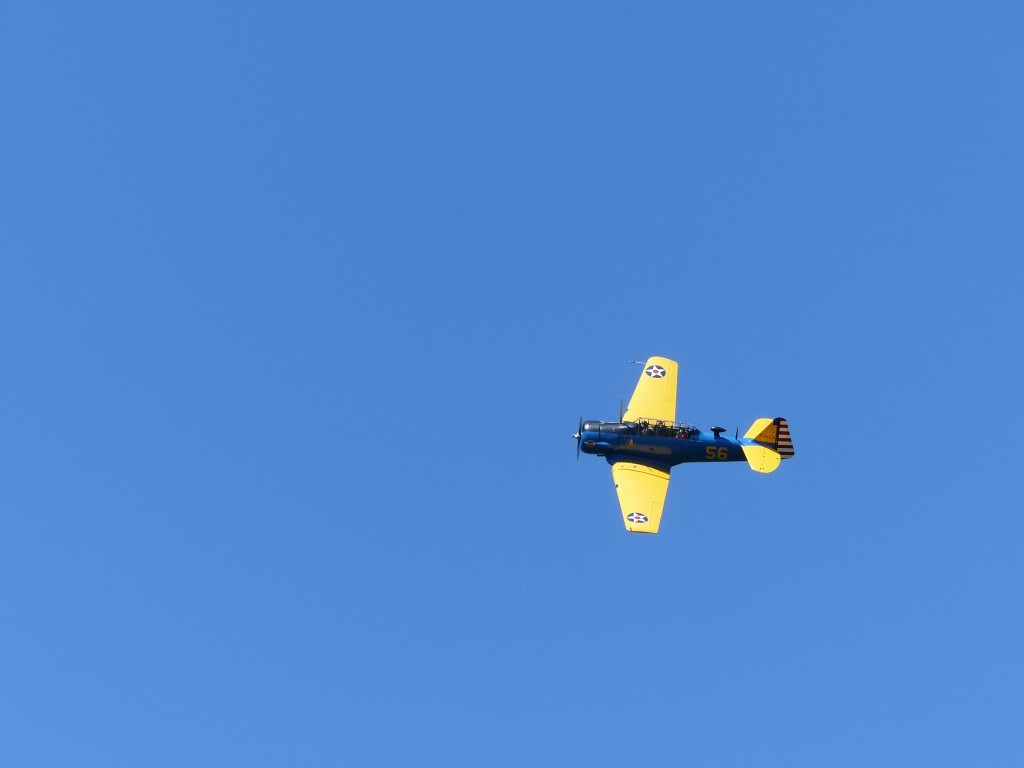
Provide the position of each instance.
(655, 393)
(641, 491)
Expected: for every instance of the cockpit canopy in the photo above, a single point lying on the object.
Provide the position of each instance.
(658, 428)
(643, 427)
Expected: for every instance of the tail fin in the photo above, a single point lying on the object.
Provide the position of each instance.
(774, 443)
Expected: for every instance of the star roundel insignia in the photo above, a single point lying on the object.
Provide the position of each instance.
(636, 517)
(655, 371)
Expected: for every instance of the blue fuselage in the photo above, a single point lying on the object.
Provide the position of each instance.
(628, 441)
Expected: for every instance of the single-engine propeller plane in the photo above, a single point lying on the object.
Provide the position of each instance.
(646, 442)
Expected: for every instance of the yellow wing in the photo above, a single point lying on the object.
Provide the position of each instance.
(655, 393)
(641, 493)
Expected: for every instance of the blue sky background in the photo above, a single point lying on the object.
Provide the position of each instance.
(300, 304)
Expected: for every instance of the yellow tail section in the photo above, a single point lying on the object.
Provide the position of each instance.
(775, 444)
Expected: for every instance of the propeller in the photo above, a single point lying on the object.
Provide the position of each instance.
(620, 410)
(579, 437)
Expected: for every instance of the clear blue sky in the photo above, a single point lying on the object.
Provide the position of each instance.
(300, 304)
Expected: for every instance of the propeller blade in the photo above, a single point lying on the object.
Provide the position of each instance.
(579, 436)
(620, 410)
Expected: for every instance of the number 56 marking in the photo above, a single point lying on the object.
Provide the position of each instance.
(721, 454)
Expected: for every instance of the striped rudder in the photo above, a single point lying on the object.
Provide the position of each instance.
(785, 441)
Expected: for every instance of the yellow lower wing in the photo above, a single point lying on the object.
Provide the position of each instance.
(641, 493)
(655, 393)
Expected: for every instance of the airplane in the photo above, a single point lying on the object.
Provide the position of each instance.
(646, 442)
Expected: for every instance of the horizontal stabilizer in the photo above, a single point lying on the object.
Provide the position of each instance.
(774, 443)
(761, 459)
